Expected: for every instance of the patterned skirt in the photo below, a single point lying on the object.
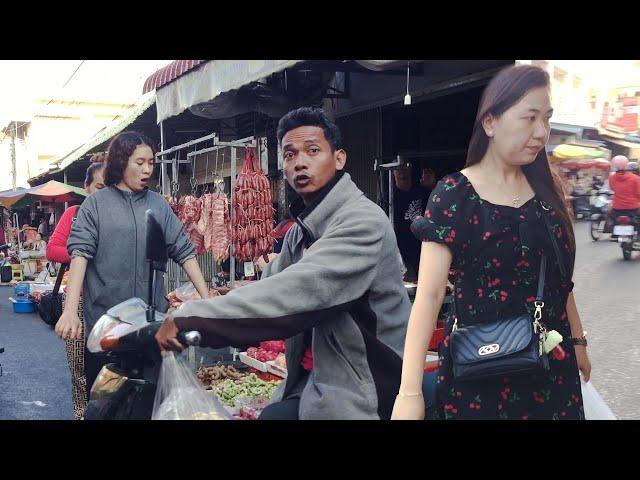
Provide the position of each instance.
(75, 359)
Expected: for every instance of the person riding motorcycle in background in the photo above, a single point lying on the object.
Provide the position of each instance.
(625, 187)
(634, 167)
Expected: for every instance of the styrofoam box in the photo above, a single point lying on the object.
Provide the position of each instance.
(276, 370)
(252, 362)
(40, 287)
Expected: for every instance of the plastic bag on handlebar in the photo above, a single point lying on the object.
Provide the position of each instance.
(180, 396)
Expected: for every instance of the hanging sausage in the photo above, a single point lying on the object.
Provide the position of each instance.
(253, 213)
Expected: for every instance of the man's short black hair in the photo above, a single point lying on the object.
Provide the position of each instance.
(310, 117)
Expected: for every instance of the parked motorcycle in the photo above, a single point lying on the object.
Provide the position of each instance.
(601, 205)
(125, 388)
(580, 203)
(626, 231)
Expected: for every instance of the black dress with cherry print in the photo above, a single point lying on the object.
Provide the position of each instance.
(496, 259)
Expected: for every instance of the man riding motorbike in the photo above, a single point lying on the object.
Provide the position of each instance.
(335, 291)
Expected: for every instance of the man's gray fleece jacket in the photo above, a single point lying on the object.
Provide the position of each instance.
(339, 275)
(110, 231)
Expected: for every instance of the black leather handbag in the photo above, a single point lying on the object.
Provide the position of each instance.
(505, 346)
(51, 303)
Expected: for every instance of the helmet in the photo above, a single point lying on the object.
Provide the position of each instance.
(633, 167)
(620, 162)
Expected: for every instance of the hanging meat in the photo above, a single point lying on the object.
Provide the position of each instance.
(216, 225)
(173, 203)
(190, 209)
(253, 213)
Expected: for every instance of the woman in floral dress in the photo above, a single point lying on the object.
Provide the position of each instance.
(487, 235)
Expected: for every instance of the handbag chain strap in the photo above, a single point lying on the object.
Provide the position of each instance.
(539, 303)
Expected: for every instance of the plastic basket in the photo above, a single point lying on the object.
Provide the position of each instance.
(24, 306)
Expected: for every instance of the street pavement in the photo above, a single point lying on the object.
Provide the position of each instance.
(36, 382)
(606, 291)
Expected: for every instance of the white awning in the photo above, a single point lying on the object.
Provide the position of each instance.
(212, 79)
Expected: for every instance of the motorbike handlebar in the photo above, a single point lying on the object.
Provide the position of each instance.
(191, 338)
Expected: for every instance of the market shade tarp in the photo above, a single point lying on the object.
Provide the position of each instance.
(602, 164)
(599, 163)
(565, 151)
(51, 192)
(210, 80)
(13, 193)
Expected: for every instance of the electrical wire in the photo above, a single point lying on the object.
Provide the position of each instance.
(73, 74)
(69, 79)
(407, 78)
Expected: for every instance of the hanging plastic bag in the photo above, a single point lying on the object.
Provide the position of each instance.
(179, 396)
(187, 292)
(594, 406)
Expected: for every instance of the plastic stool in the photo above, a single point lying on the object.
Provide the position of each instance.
(17, 273)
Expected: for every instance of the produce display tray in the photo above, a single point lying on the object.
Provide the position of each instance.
(276, 370)
(252, 362)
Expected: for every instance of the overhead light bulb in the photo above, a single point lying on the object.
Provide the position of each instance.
(407, 97)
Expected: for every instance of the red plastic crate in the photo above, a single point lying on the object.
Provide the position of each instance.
(436, 338)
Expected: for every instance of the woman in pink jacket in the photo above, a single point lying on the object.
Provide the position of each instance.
(57, 252)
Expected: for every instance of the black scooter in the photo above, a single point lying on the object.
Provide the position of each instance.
(125, 388)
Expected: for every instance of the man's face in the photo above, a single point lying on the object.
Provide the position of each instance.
(402, 174)
(309, 163)
(428, 178)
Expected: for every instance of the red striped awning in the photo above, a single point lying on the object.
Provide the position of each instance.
(169, 73)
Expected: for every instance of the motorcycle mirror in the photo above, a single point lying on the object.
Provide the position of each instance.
(156, 245)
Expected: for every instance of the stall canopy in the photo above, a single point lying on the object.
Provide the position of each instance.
(210, 80)
(51, 192)
(205, 82)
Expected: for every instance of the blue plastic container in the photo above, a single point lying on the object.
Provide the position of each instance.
(24, 306)
(21, 289)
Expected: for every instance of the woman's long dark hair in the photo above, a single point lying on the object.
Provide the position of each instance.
(503, 92)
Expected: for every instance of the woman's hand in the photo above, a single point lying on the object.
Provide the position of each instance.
(584, 364)
(69, 325)
(167, 336)
(408, 408)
